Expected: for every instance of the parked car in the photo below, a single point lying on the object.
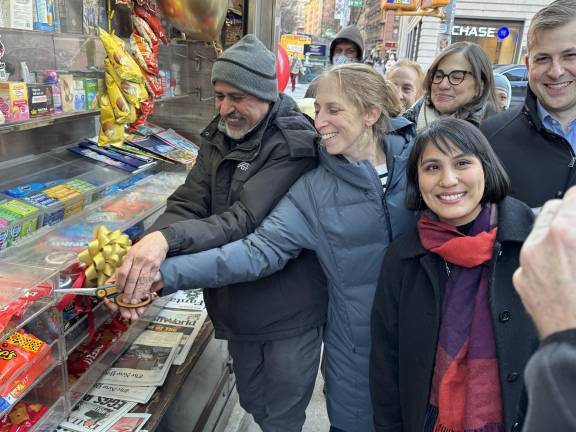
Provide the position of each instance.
(517, 74)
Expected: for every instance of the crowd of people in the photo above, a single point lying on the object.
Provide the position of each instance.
(397, 231)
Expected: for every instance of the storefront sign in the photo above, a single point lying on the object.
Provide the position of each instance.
(476, 31)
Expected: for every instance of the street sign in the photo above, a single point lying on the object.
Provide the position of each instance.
(315, 50)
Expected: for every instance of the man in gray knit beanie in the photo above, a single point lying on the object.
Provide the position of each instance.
(250, 155)
(246, 69)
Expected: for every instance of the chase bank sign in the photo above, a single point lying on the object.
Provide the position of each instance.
(476, 31)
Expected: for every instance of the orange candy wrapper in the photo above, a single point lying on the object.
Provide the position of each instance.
(22, 417)
(17, 352)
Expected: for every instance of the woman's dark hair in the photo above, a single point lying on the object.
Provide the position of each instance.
(449, 132)
(481, 72)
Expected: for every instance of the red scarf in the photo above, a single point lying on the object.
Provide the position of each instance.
(465, 394)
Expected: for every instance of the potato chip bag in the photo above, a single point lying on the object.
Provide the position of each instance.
(123, 111)
(125, 66)
(133, 92)
(110, 131)
(143, 54)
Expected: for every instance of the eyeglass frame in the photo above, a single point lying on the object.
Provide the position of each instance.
(444, 75)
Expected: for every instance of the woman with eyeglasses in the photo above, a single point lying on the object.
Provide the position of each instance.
(459, 83)
(450, 336)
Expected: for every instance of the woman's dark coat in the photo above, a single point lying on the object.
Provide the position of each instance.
(406, 320)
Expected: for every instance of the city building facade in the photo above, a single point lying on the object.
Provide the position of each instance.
(499, 27)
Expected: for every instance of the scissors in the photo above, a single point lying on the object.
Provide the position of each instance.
(107, 292)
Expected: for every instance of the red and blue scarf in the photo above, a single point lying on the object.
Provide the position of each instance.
(465, 394)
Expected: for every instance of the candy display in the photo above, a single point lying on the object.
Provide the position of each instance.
(87, 353)
(16, 296)
(23, 358)
(22, 417)
(14, 101)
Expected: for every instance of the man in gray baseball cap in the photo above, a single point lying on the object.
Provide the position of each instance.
(257, 146)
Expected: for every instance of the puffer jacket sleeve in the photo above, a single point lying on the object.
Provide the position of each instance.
(384, 389)
(283, 234)
(201, 231)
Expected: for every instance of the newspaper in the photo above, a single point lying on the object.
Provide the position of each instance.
(96, 414)
(146, 362)
(130, 423)
(190, 299)
(187, 322)
(123, 392)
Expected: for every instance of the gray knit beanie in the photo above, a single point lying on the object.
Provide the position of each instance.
(249, 66)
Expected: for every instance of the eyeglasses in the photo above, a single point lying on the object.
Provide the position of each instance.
(455, 77)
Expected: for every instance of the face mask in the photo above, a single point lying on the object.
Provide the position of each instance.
(342, 59)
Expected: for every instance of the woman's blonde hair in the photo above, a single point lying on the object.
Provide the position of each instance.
(366, 89)
(415, 67)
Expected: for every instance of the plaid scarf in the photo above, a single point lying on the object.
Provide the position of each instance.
(465, 394)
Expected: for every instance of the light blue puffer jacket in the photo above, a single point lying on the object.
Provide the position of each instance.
(339, 211)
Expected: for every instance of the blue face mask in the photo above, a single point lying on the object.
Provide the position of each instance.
(342, 59)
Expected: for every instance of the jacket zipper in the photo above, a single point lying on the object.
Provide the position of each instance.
(386, 211)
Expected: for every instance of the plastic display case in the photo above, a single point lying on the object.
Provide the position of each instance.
(33, 267)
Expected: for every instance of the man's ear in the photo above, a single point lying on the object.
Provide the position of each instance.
(372, 116)
(526, 62)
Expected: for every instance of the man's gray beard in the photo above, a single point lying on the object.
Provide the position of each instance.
(235, 135)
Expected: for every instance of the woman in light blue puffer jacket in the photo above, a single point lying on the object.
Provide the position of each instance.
(347, 210)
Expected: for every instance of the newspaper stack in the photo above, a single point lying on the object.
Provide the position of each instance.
(146, 362)
(95, 414)
(184, 314)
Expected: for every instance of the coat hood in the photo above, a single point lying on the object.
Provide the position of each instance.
(352, 34)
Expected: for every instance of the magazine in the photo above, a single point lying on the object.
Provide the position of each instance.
(146, 362)
(187, 322)
(160, 148)
(178, 141)
(123, 392)
(130, 423)
(189, 299)
(96, 414)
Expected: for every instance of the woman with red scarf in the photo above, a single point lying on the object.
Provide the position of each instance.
(450, 337)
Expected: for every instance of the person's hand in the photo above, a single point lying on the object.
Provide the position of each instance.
(546, 278)
(134, 313)
(138, 272)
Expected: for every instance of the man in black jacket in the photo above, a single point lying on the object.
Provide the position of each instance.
(252, 152)
(537, 141)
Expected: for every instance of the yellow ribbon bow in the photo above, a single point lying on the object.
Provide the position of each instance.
(104, 255)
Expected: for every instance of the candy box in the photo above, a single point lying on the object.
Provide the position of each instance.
(53, 209)
(17, 14)
(40, 99)
(27, 221)
(19, 226)
(79, 95)
(14, 101)
(44, 15)
(67, 92)
(91, 90)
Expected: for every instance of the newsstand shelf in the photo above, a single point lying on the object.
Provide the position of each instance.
(46, 121)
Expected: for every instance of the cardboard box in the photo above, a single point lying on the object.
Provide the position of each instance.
(17, 14)
(40, 100)
(91, 89)
(67, 89)
(14, 101)
(44, 15)
(79, 95)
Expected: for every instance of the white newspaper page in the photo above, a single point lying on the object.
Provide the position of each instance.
(123, 392)
(146, 362)
(188, 299)
(96, 414)
(187, 322)
(130, 423)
